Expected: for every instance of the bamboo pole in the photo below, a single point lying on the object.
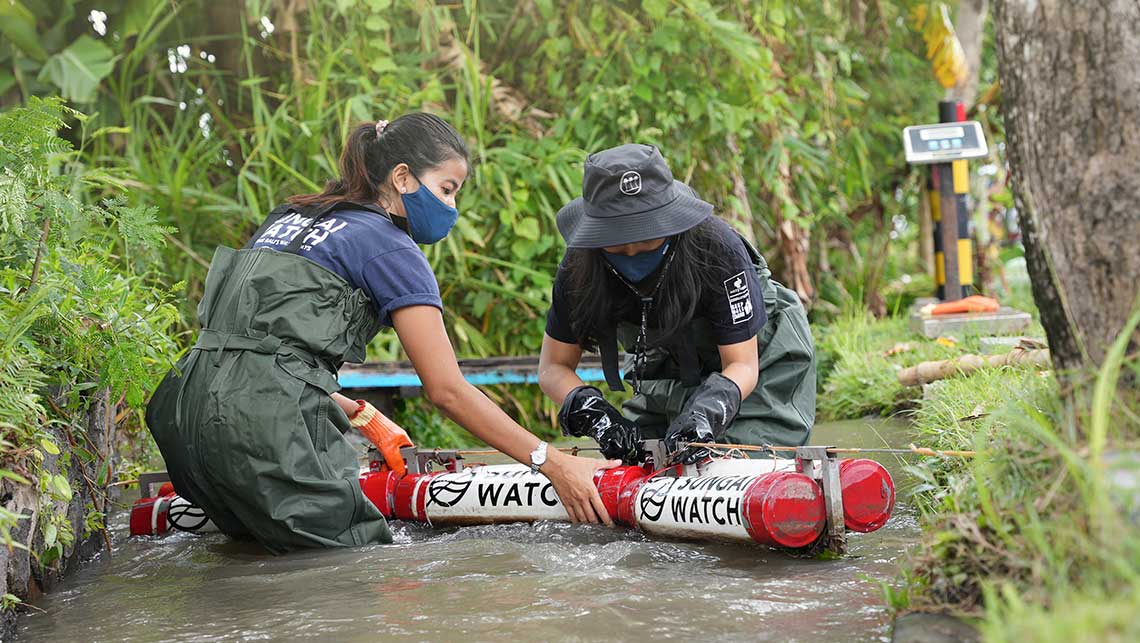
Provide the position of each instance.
(927, 372)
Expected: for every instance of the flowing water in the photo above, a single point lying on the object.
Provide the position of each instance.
(547, 581)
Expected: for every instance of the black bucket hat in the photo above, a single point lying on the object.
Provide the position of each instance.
(629, 195)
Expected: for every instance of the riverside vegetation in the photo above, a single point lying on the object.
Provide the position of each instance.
(214, 112)
(83, 317)
(201, 116)
(1033, 539)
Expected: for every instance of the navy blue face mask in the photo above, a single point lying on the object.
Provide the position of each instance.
(640, 265)
(429, 219)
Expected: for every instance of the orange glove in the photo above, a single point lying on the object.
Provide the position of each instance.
(384, 434)
(971, 304)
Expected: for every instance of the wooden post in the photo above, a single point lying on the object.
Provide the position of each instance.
(948, 232)
(952, 213)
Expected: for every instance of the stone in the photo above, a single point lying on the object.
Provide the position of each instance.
(24, 576)
(1122, 473)
(929, 389)
(1005, 321)
(920, 627)
(17, 563)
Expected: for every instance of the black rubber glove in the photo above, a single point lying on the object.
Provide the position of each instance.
(586, 412)
(704, 418)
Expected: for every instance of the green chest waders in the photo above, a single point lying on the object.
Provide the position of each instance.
(244, 420)
(779, 411)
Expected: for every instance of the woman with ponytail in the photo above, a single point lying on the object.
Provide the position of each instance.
(250, 422)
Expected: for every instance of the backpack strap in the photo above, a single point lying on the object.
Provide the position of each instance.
(753, 253)
(607, 346)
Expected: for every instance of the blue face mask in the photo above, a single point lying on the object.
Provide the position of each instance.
(640, 265)
(429, 219)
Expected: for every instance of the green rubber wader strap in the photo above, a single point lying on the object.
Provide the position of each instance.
(322, 377)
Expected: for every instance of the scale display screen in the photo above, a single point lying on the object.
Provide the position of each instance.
(944, 142)
(940, 133)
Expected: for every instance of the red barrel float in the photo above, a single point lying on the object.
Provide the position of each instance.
(784, 509)
(868, 494)
(380, 488)
(148, 516)
(611, 483)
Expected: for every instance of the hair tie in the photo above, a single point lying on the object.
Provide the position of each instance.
(381, 125)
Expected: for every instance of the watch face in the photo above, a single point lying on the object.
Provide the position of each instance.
(538, 456)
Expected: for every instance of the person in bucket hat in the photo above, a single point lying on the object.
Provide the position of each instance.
(717, 349)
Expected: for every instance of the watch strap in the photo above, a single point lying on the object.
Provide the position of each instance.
(539, 452)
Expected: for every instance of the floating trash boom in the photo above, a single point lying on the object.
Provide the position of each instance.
(810, 501)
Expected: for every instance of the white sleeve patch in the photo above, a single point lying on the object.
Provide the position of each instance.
(739, 299)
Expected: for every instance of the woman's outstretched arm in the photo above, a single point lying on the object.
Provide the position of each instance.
(424, 339)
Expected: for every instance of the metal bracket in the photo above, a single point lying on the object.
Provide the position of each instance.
(146, 480)
(421, 460)
(835, 535)
(656, 451)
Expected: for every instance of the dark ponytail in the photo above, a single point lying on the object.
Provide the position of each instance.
(421, 140)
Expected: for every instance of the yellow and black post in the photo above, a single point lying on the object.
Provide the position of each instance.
(948, 186)
(947, 147)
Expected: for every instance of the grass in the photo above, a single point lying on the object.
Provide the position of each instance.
(859, 370)
(956, 408)
(1092, 618)
(1036, 535)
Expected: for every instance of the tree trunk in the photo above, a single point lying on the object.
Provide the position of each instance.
(1071, 94)
(926, 229)
(792, 239)
(223, 22)
(742, 216)
(971, 29)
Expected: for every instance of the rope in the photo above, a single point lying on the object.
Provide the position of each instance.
(737, 450)
(570, 450)
(913, 450)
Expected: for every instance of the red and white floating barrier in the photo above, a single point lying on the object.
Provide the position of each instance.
(779, 503)
(159, 514)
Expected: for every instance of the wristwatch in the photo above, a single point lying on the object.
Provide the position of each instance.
(538, 457)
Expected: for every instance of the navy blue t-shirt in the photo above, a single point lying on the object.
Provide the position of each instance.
(734, 309)
(368, 251)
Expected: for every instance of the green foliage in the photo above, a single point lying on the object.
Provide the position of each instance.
(78, 69)
(214, 121)
(212, 117)
(19, 26)
(79, 316)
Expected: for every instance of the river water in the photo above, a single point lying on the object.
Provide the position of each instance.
(547, 581)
